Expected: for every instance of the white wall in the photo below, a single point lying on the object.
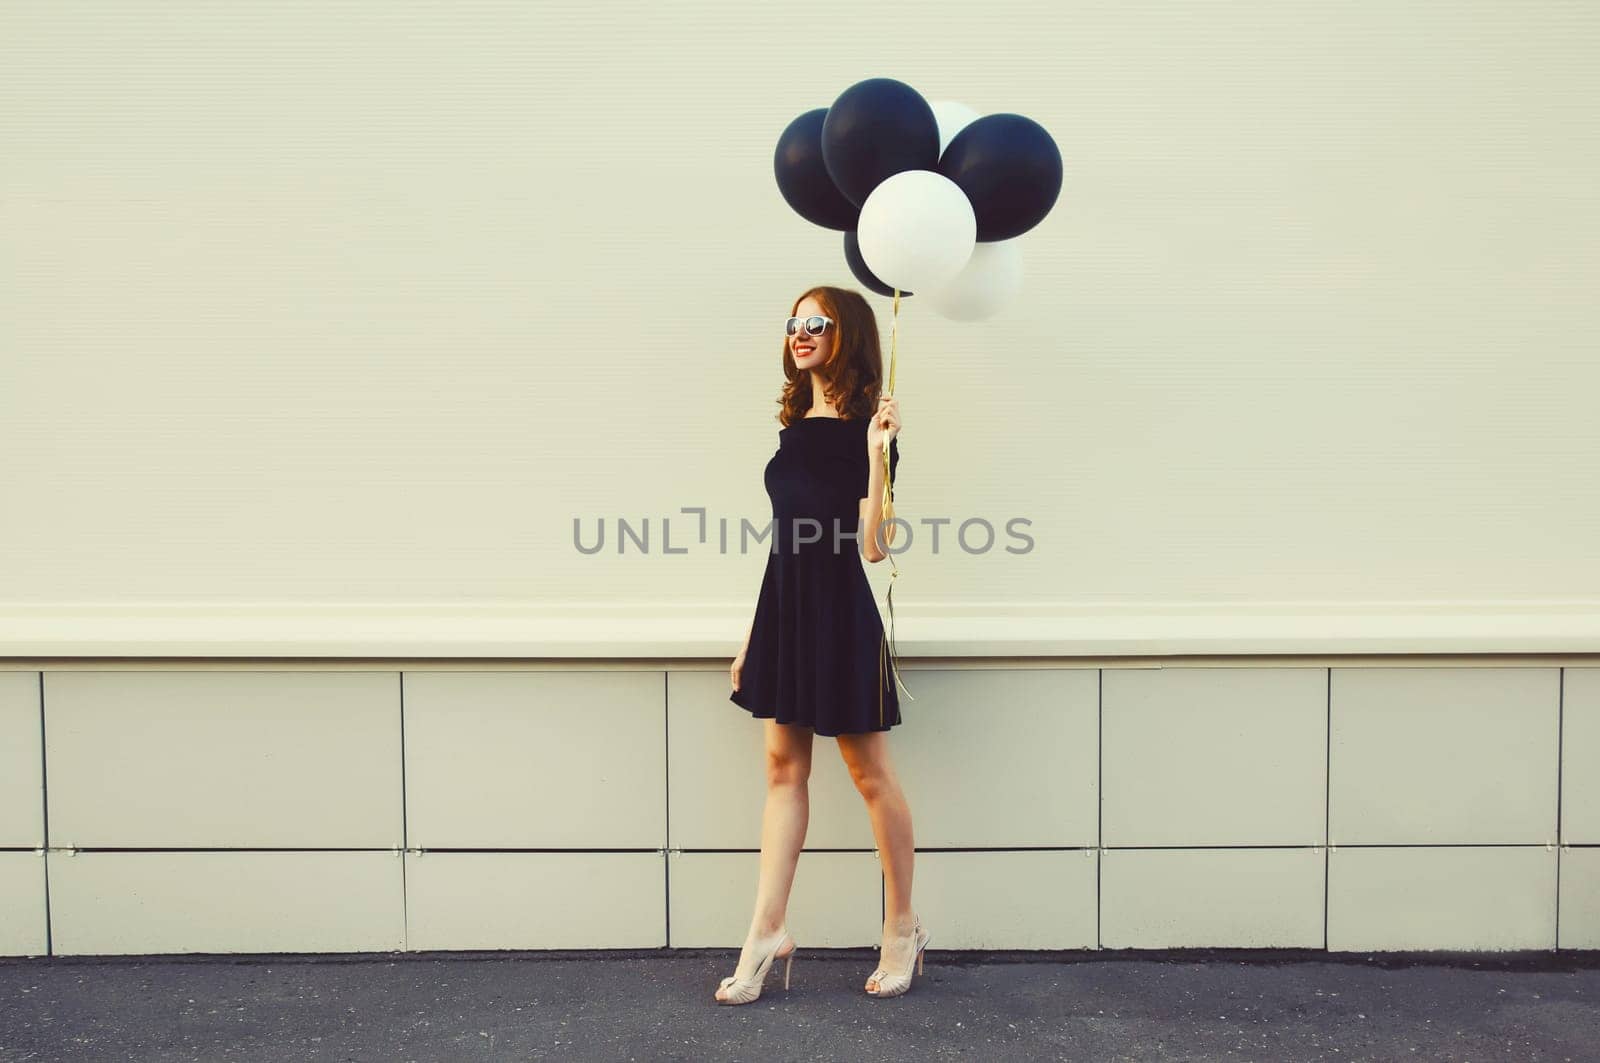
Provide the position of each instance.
(363, 303)
(1411, 805)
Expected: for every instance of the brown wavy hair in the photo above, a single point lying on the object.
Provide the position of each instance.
(854, 374)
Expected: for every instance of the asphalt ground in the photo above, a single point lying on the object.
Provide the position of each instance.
(1272, 1005)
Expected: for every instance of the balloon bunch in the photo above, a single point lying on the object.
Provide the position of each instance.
(930, 196)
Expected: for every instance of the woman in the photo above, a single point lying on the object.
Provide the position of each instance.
(813, 661)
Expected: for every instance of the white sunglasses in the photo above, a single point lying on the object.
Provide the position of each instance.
(815, 325)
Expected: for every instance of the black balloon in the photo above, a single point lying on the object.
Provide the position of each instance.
(858, 266)
(876, 129)
(1009, 168)
(804, 180)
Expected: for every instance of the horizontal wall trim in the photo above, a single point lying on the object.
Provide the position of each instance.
(621, 631)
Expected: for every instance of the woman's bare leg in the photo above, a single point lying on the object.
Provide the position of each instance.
(867, 757)
(783, 832)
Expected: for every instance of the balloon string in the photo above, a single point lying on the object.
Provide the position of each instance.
(887, 647)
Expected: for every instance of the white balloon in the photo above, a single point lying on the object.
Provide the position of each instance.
(952, 117)
(988, 281)
(916, 230)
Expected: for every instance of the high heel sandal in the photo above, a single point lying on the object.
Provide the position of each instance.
(892, 984)
(745, 990)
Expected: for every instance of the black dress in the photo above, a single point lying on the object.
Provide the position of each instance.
(817, 653)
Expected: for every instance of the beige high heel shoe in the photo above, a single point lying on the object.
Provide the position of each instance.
(744, 990)
(892, 984)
